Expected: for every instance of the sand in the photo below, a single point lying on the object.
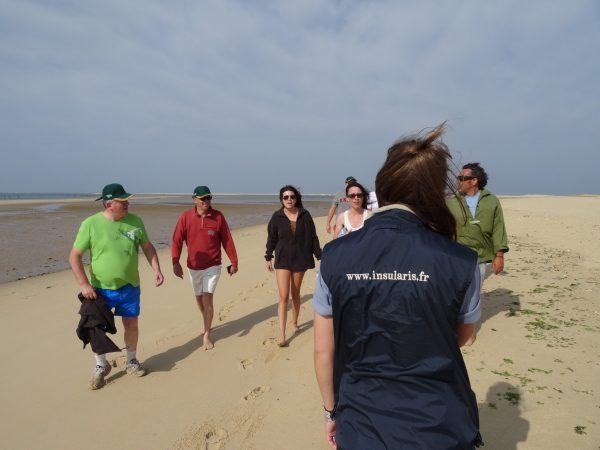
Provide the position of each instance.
(36, 236)
(534, 367)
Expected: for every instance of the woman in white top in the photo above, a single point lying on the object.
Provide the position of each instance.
(354, 218)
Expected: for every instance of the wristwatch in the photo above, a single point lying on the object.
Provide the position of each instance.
(329, 414)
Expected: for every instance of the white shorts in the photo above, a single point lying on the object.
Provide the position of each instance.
(205, 281)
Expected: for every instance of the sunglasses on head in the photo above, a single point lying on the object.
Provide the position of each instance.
(289, 197)
(206, 198)
(465, 177)
(357, 195)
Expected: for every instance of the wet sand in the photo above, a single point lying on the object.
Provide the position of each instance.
(36, 237)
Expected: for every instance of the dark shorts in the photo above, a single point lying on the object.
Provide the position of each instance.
(125, 300)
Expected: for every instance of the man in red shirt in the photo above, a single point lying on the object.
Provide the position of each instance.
(204, 230)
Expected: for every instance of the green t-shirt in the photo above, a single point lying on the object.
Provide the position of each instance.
(113, 247)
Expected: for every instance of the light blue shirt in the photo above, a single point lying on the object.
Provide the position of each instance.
(472, 202)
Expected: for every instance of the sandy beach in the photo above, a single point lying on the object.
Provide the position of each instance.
(534, 366)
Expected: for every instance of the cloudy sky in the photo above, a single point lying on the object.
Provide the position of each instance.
(246, 96)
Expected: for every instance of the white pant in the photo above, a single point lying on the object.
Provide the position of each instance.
(205, 281)
(485, 270)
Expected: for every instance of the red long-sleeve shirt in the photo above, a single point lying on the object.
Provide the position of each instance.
(203, 237)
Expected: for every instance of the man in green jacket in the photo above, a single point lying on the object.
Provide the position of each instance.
(479, 219)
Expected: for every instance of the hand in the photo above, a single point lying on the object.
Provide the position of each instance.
(330, 432)
(498, 264)
(158, 278)
(233, 270)
(177, 270)
(328, 228)
(88, 291)
(269, 265)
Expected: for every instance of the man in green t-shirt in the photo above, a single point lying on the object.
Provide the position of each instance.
(113, 237)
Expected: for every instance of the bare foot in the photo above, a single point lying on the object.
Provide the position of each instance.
(281, 342)
(208, 344)
(295, 328)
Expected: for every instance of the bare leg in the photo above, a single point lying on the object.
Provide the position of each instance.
(296, 282)
(208, 312)
(131, 332)
(200, 306)
(283, 284)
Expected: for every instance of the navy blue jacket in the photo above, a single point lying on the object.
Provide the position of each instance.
(400, 381)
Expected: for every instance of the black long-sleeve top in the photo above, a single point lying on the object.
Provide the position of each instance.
(293, 251)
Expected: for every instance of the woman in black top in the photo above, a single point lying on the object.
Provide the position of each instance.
(293, 237)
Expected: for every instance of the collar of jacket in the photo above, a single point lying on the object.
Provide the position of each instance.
(393, 216)
(482, 193)
(209, 213)
(281, 213)
(390, 207)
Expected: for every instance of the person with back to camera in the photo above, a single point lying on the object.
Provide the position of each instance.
(389, 324)
(354, 218)
(293, 237)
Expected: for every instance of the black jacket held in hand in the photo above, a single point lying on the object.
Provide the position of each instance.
(293, 251)
(96, 320)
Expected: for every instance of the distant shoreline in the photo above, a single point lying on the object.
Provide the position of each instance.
(36, 198)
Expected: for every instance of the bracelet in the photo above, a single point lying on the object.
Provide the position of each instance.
(329, 415)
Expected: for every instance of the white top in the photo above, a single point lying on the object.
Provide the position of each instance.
(349, 228)
(373, 203)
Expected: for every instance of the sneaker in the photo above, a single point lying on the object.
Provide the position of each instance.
(98, 375)
(134, 367)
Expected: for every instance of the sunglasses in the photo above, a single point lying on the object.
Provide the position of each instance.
(206, 198)
(465, 178)
(289, 197)
(359, 195)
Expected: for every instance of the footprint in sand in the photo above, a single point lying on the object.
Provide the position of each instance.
(256, 392)
(247, 363)
(215, 439)
(224, 313)
(163, 340)
(268, 342)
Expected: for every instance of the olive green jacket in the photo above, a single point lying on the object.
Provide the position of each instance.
(485, 233)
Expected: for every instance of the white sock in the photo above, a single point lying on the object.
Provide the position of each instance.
(130, 355)
(101, 360)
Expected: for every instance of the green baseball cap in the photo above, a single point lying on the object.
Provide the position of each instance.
(114, 191)
(201, 191)
(349, 179)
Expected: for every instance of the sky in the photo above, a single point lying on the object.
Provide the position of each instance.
(247, 96)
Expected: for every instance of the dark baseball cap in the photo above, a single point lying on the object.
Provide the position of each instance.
(201, 191)
(349, 179)
(114, 191)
